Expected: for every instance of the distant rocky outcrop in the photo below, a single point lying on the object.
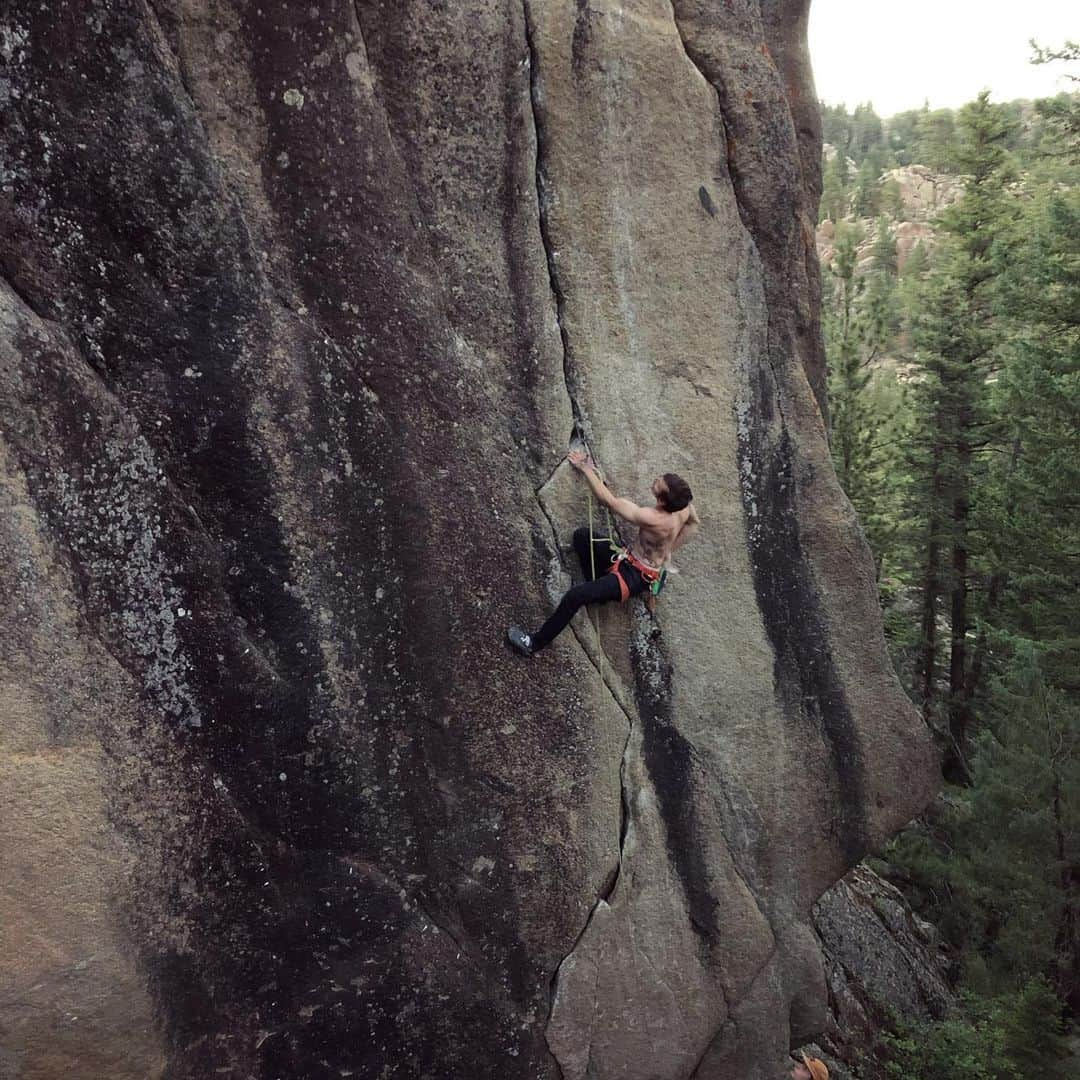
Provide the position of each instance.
(923, 193)
(300, 305)
(908, 235)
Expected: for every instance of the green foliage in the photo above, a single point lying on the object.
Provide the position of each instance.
(851, 428)
(1062, 113)
(935, 140)
(1013, 1037)
(835, 194)
(867, 192)
(836, 126)
(859, 320)
(901, 136)
(1034, 1031)
(954, 333)
(867, 132)
(928, 137)
(1038, 392)
(950, 1050)
(892, 200)
(880, 314)
(854, 135)
(1016, 832)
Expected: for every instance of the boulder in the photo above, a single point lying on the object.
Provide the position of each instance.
(883, 963)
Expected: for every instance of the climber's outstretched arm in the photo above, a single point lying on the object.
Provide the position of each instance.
(624, 508)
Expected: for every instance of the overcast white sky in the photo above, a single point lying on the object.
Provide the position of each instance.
(898, 54)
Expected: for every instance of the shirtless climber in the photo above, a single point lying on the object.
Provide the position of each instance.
(662, 530)
(808, 1068)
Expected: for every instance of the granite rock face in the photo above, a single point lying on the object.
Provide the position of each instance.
(300, 305)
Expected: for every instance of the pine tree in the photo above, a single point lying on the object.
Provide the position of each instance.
(917, 263)
(954, 338)
(1036, 510)
(835, 182)
(867, 191)
(867, 132)
(901, 136)
(1034, 1032)
(1063, 111)
(931, 324)
(880, 314)
(987, 544)
(892, 199)
(935, 140)
(836, 127)
(1019, 856)
(861, 318)
(850, 426)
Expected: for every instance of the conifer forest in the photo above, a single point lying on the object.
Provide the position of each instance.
(950, 244)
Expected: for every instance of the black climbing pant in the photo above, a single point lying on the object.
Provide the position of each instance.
(599, 590)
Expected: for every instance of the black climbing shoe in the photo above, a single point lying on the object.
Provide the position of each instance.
(520, 641)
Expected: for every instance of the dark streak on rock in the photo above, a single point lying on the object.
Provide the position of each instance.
(582, 36)
(805, 679)
(670, 760)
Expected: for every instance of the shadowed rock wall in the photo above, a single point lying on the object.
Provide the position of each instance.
(300, 306)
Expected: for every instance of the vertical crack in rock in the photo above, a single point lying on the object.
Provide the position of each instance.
(615, 692)
(581, 424)
(804, 673)
(542, 198)
(613, 687)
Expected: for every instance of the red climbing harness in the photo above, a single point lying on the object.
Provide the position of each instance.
(649, 573)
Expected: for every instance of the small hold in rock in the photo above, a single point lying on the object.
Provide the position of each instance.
(706, 201)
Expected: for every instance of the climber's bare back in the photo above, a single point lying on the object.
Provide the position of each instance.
(658, 531)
